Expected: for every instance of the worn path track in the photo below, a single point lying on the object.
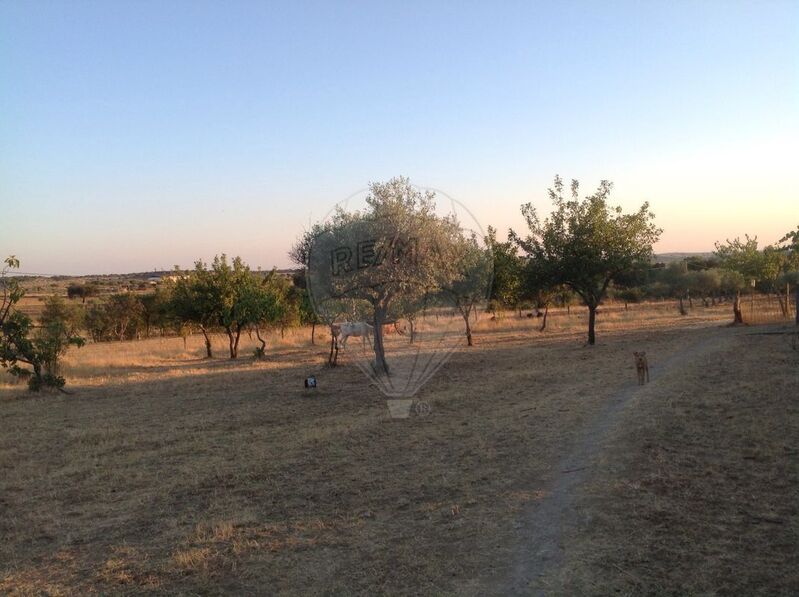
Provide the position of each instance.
(543, 526)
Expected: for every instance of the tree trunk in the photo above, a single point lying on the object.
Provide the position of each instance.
(313, 333)
(796, 303)
(591, 324)
(261, 340)
(231, 346)
(544, 323)
(736, 309)
(37, 378)
(682, 307)
(208, 352)
(783, 306)
(380, 365)
(236, 345)
(690, 300)
(413, 330)
(466, 312)
(332, 358)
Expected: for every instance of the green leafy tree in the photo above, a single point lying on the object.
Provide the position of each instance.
(266, 303)
(468, 286)
(744, 258)
(195, 300)
(299, 254)
(507, 280)
(707, 284)
(30, 352)
(98, 323)
(81, 291)
(307, 314)
(402, 244)
(155, 311)
(234, 286)
(539, 287)
(585, 244)
(225, 295)
(629, 286)
(126, 315)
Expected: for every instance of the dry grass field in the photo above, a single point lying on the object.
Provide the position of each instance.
(165, 473)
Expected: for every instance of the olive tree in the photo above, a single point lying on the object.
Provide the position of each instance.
(391, 253)
(585, 244)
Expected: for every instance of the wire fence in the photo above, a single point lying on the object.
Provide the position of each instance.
(770, 308)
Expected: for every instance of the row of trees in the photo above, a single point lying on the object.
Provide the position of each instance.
(222, 296)
(401, 258)
(591, 250)
(230, 297)
(769, 269)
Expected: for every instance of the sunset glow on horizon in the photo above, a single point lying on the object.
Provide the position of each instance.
(135, 137)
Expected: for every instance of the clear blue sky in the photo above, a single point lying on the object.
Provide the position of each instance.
(138, 135)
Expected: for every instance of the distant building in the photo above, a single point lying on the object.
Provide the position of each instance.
(158, 278)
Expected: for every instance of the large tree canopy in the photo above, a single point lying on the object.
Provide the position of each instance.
(585, 244)
(375, 263)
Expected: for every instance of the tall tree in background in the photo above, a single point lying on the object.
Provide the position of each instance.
(195, 300)
(539, 287)
(507, 281)
(264, 303)
(471, 280)
(307, 315)
(743, 258)
(585, 244)
(234, 285)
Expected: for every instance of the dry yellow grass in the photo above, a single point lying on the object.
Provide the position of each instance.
(168, 473)
(698, 490)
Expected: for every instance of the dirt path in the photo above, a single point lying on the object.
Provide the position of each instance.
(542, 528)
